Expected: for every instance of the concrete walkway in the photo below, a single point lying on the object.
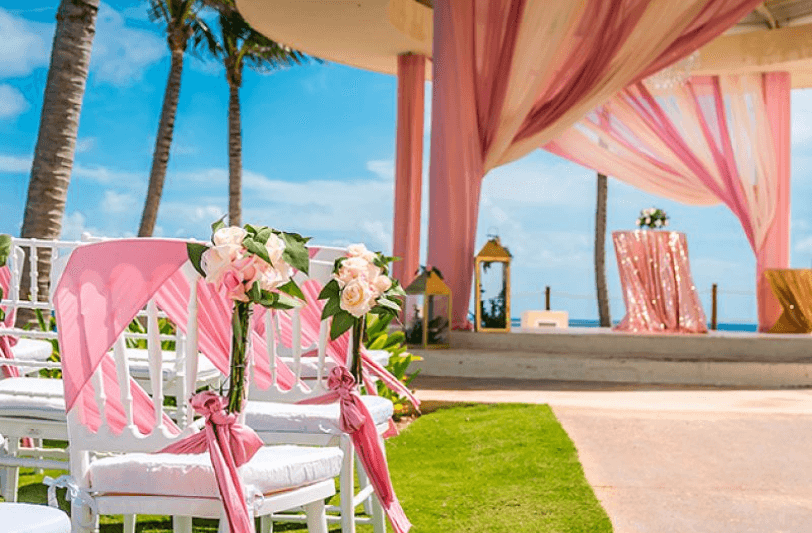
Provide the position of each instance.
(674, 460)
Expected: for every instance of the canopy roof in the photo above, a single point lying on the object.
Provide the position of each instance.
(370, 34)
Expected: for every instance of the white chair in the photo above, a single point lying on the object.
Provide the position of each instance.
(118, 471)
(31, 407)
(276, 417)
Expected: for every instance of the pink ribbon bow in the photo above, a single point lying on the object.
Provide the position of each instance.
(356, 421)
(230, 445)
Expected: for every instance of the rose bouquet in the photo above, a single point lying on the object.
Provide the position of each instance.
(360, 285)
(652, 218)
(254, 265)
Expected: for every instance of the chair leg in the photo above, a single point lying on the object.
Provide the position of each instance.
(81, 520)
(12, 473)
(129, 523)
(265, 524)
(378, 516)
(223, 526)
(316, 517)
(181, 524)
(363, 481)
(347, 486)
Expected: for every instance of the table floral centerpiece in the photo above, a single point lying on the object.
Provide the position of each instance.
(254, 265)
(652, 218)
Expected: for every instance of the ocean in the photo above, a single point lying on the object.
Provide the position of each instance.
(588, 323)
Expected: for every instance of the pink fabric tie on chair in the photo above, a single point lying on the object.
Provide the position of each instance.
(356, 420)
(230, 445)
(7, 341)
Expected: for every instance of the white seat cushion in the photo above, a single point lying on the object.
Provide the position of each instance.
(138, 360)
(32, 350)
(29, 518)
(39, 398)
(310, 364)
(272, 469)
(297, 418)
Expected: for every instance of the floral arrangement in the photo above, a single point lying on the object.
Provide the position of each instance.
(360, 285)
(652, 218)
(254, 264)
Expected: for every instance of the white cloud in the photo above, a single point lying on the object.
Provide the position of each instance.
(13, 164)
(801, 117)
(384, 169)
(804, 245)
(12, 102)
(121, 54)
(107, 176)
(85, 144)
(24, 45)
(114, 202)
(73, 225)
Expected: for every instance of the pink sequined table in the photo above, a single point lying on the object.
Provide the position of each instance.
(658, 290)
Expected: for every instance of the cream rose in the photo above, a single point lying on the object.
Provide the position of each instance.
(351, 269)
(272, 278)
(229, 235)
(356, 298)
(218, 259)
(275, 247)
(381, 284)
(359, 250)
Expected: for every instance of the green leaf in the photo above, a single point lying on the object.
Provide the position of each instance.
(391, 304)
(257, 249)
(379, 343)
(330, 290)
(331, 307)
(342, 321)
(263, 234)
(398, 337)
(195, 252)
(293, 289)
(268, 299)
(5, 248)
(296, 254)
(217, 225)
(250, 229)
(255, 293)
(285, 301)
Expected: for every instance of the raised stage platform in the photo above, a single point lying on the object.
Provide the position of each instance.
(719, 358)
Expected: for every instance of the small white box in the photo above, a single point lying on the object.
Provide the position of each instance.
(545, 319)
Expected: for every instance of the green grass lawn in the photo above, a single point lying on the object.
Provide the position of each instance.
(471, 468)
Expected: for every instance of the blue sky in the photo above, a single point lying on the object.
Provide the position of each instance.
(318, 150)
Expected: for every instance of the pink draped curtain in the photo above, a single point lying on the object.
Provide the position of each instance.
(713, 139)
(408, 166)
(511, 75)
(7, 341)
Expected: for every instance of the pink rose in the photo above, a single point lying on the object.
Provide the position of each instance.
(218, 259)
(359, 250)
(235, 288)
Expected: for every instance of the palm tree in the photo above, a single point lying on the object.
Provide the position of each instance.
(239, 46)
(58, 127)
(182, 26)
(600, 252)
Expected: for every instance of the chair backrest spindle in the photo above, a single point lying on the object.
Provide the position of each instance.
(123, 374)
(155, 362)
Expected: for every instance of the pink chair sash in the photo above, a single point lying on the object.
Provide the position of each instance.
(357, 422)
(7, 341)
(230, 445)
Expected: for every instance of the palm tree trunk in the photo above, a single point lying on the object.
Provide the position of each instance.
(163, 143)
(234, 156)
(58, 128)
(600, 252)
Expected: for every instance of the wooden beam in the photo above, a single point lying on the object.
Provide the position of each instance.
(767, 15)
(758, 51)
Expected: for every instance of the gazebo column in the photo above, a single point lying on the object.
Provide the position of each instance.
(774, 252)
(456, 166)
(408, 166)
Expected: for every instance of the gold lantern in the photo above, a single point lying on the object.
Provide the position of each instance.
(427, 311)
(492, 278)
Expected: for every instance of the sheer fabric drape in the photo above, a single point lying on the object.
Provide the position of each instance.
(713, 139)
(511, 75)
